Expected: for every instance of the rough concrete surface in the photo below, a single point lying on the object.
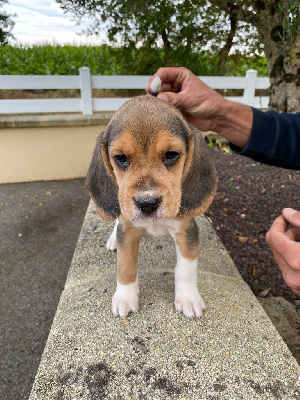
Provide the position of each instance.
(286, 319)
(233, 352)
(39, 226)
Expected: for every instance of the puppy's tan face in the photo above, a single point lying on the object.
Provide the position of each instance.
(148, 167)
(150, 163)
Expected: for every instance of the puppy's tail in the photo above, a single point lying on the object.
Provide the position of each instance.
(155, 86)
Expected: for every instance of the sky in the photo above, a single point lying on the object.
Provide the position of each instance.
(43, 21)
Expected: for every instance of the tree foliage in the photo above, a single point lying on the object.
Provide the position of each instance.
(278, 27)
(185, 28)
(290, 10)
(6, 24)
(179, 28)
(283, 15)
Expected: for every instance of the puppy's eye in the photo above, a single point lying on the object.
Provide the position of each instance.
(170, 158)
(122, 161)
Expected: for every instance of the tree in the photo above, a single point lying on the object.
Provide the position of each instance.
(181, 28)
(278, 26)
(6, 24)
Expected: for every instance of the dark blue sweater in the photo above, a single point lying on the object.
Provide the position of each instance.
(274, 139)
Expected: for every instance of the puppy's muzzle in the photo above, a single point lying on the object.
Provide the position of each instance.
(148, 205)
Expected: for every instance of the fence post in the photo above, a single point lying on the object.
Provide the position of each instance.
(249, 92)
(86, 91)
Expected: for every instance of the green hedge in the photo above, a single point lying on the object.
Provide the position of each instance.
(46, 59)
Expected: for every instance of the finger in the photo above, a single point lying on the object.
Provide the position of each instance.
(292, 216)
(174, 76)
(293, 233)
(166, 87)
(176, 99)
(279, 226)
(168, 97)
(163, 74)
(290, 276)
(283, 241)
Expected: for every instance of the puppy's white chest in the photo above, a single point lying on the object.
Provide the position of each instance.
(159, 226)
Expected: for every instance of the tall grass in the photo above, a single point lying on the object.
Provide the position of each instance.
(47, 59)
(56, 59)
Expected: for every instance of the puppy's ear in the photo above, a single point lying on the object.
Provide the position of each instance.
(200, 181)
(102, 187)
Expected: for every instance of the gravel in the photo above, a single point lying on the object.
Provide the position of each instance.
(250, 196)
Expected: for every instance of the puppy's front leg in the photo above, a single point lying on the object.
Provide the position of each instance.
(111, 243)
(126, 297)
(187, 297)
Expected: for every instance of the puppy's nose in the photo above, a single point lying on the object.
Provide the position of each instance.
(148, 205)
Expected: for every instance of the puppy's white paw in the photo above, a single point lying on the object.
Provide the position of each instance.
(187, 297)
(125, 300)
(190, 303)
(111, 244)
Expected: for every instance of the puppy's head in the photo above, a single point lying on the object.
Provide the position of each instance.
(150, 163)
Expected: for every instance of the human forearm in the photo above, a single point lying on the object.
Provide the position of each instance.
(235, 123)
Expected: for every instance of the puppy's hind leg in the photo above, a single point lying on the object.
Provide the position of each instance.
(111, 244)
(187, 297)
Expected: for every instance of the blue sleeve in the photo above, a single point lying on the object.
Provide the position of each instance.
(274, 139)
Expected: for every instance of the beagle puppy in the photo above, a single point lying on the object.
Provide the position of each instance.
(151, 170)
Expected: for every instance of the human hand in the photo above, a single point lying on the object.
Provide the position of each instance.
(200, 104)
(204, 107)
(284, 241)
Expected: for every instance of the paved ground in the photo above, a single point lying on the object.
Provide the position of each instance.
(39, 226)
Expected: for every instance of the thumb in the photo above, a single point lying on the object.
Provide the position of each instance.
(292, 216)
(170, 97)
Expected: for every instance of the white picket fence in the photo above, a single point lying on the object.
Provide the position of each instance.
(87, 105)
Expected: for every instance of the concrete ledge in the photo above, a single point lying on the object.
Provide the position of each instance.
(233, 352)
(52, 120)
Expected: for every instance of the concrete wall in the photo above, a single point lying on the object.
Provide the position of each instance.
(46, 153)
(48, 147)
